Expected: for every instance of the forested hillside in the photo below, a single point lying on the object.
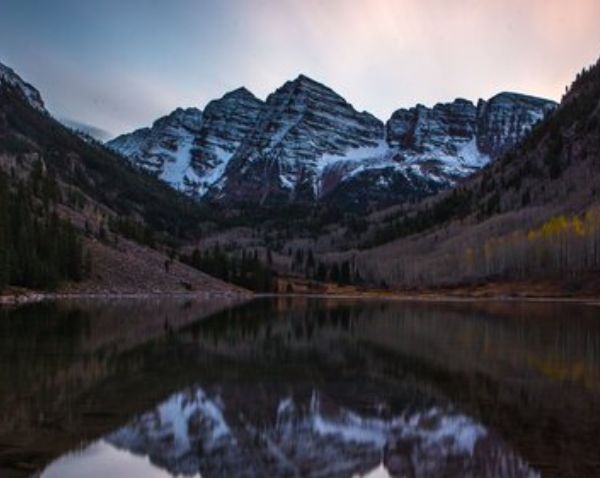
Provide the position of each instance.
(72, 211)
(96, 172)
(532, 214)
(37, 248)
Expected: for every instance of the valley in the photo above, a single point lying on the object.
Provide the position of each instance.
(301, 193)
(300, 238)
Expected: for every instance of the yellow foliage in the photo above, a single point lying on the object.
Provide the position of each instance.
(561, 225)
(555, 227)
(578, 226)
(470, 256)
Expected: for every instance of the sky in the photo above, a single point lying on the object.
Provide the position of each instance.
(120, 64)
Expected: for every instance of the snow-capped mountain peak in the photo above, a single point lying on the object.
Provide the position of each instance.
(306, 143)
(302, 121)
(190, 148)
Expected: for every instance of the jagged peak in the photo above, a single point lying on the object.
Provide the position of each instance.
(504, 96)
(5, 70)
(186, 111)
(302, 78)
(462, 101)
(180, 115)
(241, 92)
(7, 73)
(303, 83)
(238, 98)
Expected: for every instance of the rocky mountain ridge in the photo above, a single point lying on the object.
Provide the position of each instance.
(306, 143)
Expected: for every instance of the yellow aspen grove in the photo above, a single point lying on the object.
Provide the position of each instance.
(562, 245)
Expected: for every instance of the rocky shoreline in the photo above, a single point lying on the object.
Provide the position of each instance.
(29, 297)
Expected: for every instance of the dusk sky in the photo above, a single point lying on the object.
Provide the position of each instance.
(120, 64)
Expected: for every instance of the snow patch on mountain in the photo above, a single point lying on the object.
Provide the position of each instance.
(211, 179)
(177, 170)
(354, 155)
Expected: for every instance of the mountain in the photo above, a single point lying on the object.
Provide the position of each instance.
(430, 149)
(305, 126)
(226, 122)
(454, 139)
(73, 211)
(306, 144)
(164, 149)
(531, 215)
(189, 149)
(506, 118)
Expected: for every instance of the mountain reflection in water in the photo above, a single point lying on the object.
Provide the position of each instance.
(303, 387)
(191, 433)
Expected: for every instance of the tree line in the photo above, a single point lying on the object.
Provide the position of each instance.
(562, 247)
(244, 269)
(342, 272)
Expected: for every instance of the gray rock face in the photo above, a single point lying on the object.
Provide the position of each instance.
(496, 124)
(302, 124)
(428, 149)
(226, 122)
(452, 140)
(164, 149)
(9, 78)
(190, 148)
(445, 126)
(506, 118)
(307, 144)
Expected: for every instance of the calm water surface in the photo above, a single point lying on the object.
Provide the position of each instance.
(299, 387)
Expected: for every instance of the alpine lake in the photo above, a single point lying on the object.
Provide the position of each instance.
(299, 386)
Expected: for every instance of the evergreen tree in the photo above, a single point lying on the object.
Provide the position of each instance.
(321, 274)
(345, 273)
(334, 273)
(37, 248)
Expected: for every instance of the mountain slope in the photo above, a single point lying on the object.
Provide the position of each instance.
(161, 149)
(532, 214)
(189, 149)
(226, 122)
(55, 178)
